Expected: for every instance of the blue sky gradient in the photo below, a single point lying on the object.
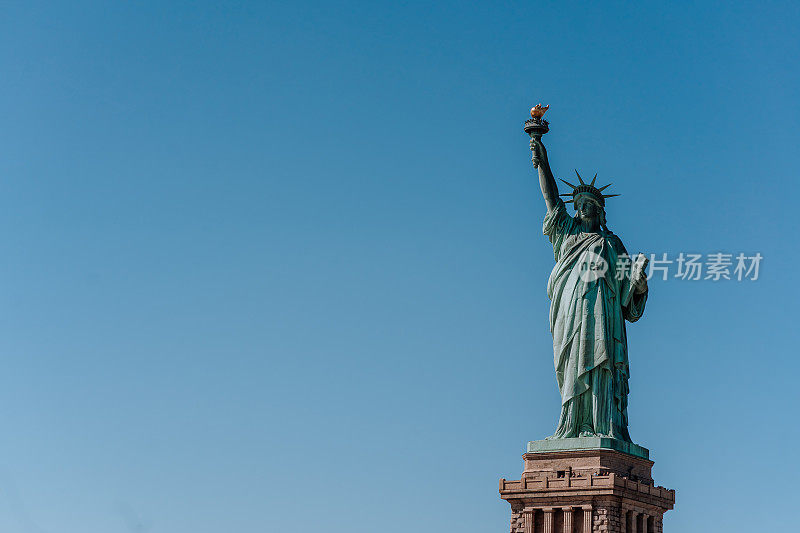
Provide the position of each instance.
(279, 266)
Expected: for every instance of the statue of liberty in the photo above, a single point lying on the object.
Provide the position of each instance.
(593, 289)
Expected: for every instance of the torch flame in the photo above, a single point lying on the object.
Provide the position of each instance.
(538, 111)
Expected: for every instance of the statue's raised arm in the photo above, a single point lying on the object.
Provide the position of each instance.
(546, 180)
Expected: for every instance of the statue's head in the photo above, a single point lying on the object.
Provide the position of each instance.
(588, 209)
(589, 201)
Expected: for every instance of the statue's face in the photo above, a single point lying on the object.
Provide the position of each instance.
(587, 209)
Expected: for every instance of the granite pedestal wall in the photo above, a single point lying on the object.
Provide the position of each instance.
(586, 486)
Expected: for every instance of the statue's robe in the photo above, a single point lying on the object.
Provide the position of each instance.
(587, 319)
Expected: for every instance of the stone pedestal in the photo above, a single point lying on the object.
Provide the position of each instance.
(586, 486)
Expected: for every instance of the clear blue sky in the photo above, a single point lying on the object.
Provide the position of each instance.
(279, 267)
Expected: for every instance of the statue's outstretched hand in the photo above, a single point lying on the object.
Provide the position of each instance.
(538, 153)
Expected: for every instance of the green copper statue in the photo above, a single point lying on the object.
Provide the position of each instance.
(593, 289)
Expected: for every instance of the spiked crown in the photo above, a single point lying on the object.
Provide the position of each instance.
(587, 188)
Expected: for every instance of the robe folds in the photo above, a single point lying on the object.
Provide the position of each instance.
(591, 297)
